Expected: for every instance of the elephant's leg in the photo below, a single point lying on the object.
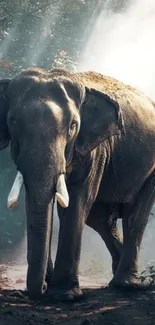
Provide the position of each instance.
(135, 218)
(66, 269)
(102, 220)
(72, 220)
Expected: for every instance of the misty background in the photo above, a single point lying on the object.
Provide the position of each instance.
(114, 37)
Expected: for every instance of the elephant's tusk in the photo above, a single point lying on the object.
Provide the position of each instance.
(61, 192)
(15, 191)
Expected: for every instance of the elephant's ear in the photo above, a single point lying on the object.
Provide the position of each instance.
(4, 135)
(101, 118)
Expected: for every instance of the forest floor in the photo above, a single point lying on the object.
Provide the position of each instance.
(100, 306)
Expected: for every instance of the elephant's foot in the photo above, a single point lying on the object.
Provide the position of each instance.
(126, 283)
(58, 294)
(37, 295)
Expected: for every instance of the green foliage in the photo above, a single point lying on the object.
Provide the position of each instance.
(148, 275)
(32, 32)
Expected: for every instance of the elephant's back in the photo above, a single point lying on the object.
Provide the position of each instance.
(138, 110)
(107, 84)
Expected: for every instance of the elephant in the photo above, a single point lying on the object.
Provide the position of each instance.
(88, 140)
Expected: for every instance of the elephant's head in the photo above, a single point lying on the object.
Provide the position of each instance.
(46, 116)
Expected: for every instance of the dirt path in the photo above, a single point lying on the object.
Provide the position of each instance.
(100, 306)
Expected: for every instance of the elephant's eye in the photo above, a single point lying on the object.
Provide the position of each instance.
(73, 127)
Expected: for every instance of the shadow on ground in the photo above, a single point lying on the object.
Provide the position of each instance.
(100, 306)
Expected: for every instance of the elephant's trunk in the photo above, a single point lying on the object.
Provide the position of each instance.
(41, 172)
(40, 183)
(39, 205)
(39, 227)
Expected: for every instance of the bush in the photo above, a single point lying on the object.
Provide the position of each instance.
(148, 275)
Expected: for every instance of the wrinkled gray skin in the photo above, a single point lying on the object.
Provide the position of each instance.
(101, 134)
